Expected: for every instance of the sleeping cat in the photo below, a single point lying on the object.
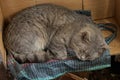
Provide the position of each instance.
(46, 31)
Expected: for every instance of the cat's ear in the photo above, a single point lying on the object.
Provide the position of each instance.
(85, 36)
(87, 33)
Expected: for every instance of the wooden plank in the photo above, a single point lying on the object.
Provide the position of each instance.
(70, 76)
(72, 4)
(115, 44)
(100, 8)
(117, 11)
(3, 73)
(10, 7)
(2, 50)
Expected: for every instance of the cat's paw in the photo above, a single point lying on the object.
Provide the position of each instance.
(61, 55)
(21, 58)
(37, 57)
(31, 58)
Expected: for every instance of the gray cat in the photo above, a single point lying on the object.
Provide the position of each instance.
(44, 32)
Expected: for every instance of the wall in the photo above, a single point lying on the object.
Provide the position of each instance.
(100, 8)
(9, 7)
(117, 10)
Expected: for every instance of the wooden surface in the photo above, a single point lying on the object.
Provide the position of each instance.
(71, 76)
(3, 75)
(117, 11)
(72, 4)
(115, 44)
(10, 7)
(2, 51)
(100, 8)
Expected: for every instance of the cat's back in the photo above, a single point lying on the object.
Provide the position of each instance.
(42, 11)
(27, 29)
(42, 14)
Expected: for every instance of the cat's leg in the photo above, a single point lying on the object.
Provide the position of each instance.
(40, 56)
(21, 58)
(58, 49)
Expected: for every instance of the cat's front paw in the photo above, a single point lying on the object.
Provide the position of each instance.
(37, 57)
(61, 56)
(21, 58)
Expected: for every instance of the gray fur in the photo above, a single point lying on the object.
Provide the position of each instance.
(54, 28)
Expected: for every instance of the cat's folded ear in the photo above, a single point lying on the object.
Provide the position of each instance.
(87, 32)
(85, 36)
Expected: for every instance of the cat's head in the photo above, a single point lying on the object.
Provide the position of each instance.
(88, 43)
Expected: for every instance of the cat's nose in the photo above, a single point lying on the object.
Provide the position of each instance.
(83, 57)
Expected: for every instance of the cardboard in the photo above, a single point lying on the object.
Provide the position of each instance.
(100, 8)
(10, 7)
